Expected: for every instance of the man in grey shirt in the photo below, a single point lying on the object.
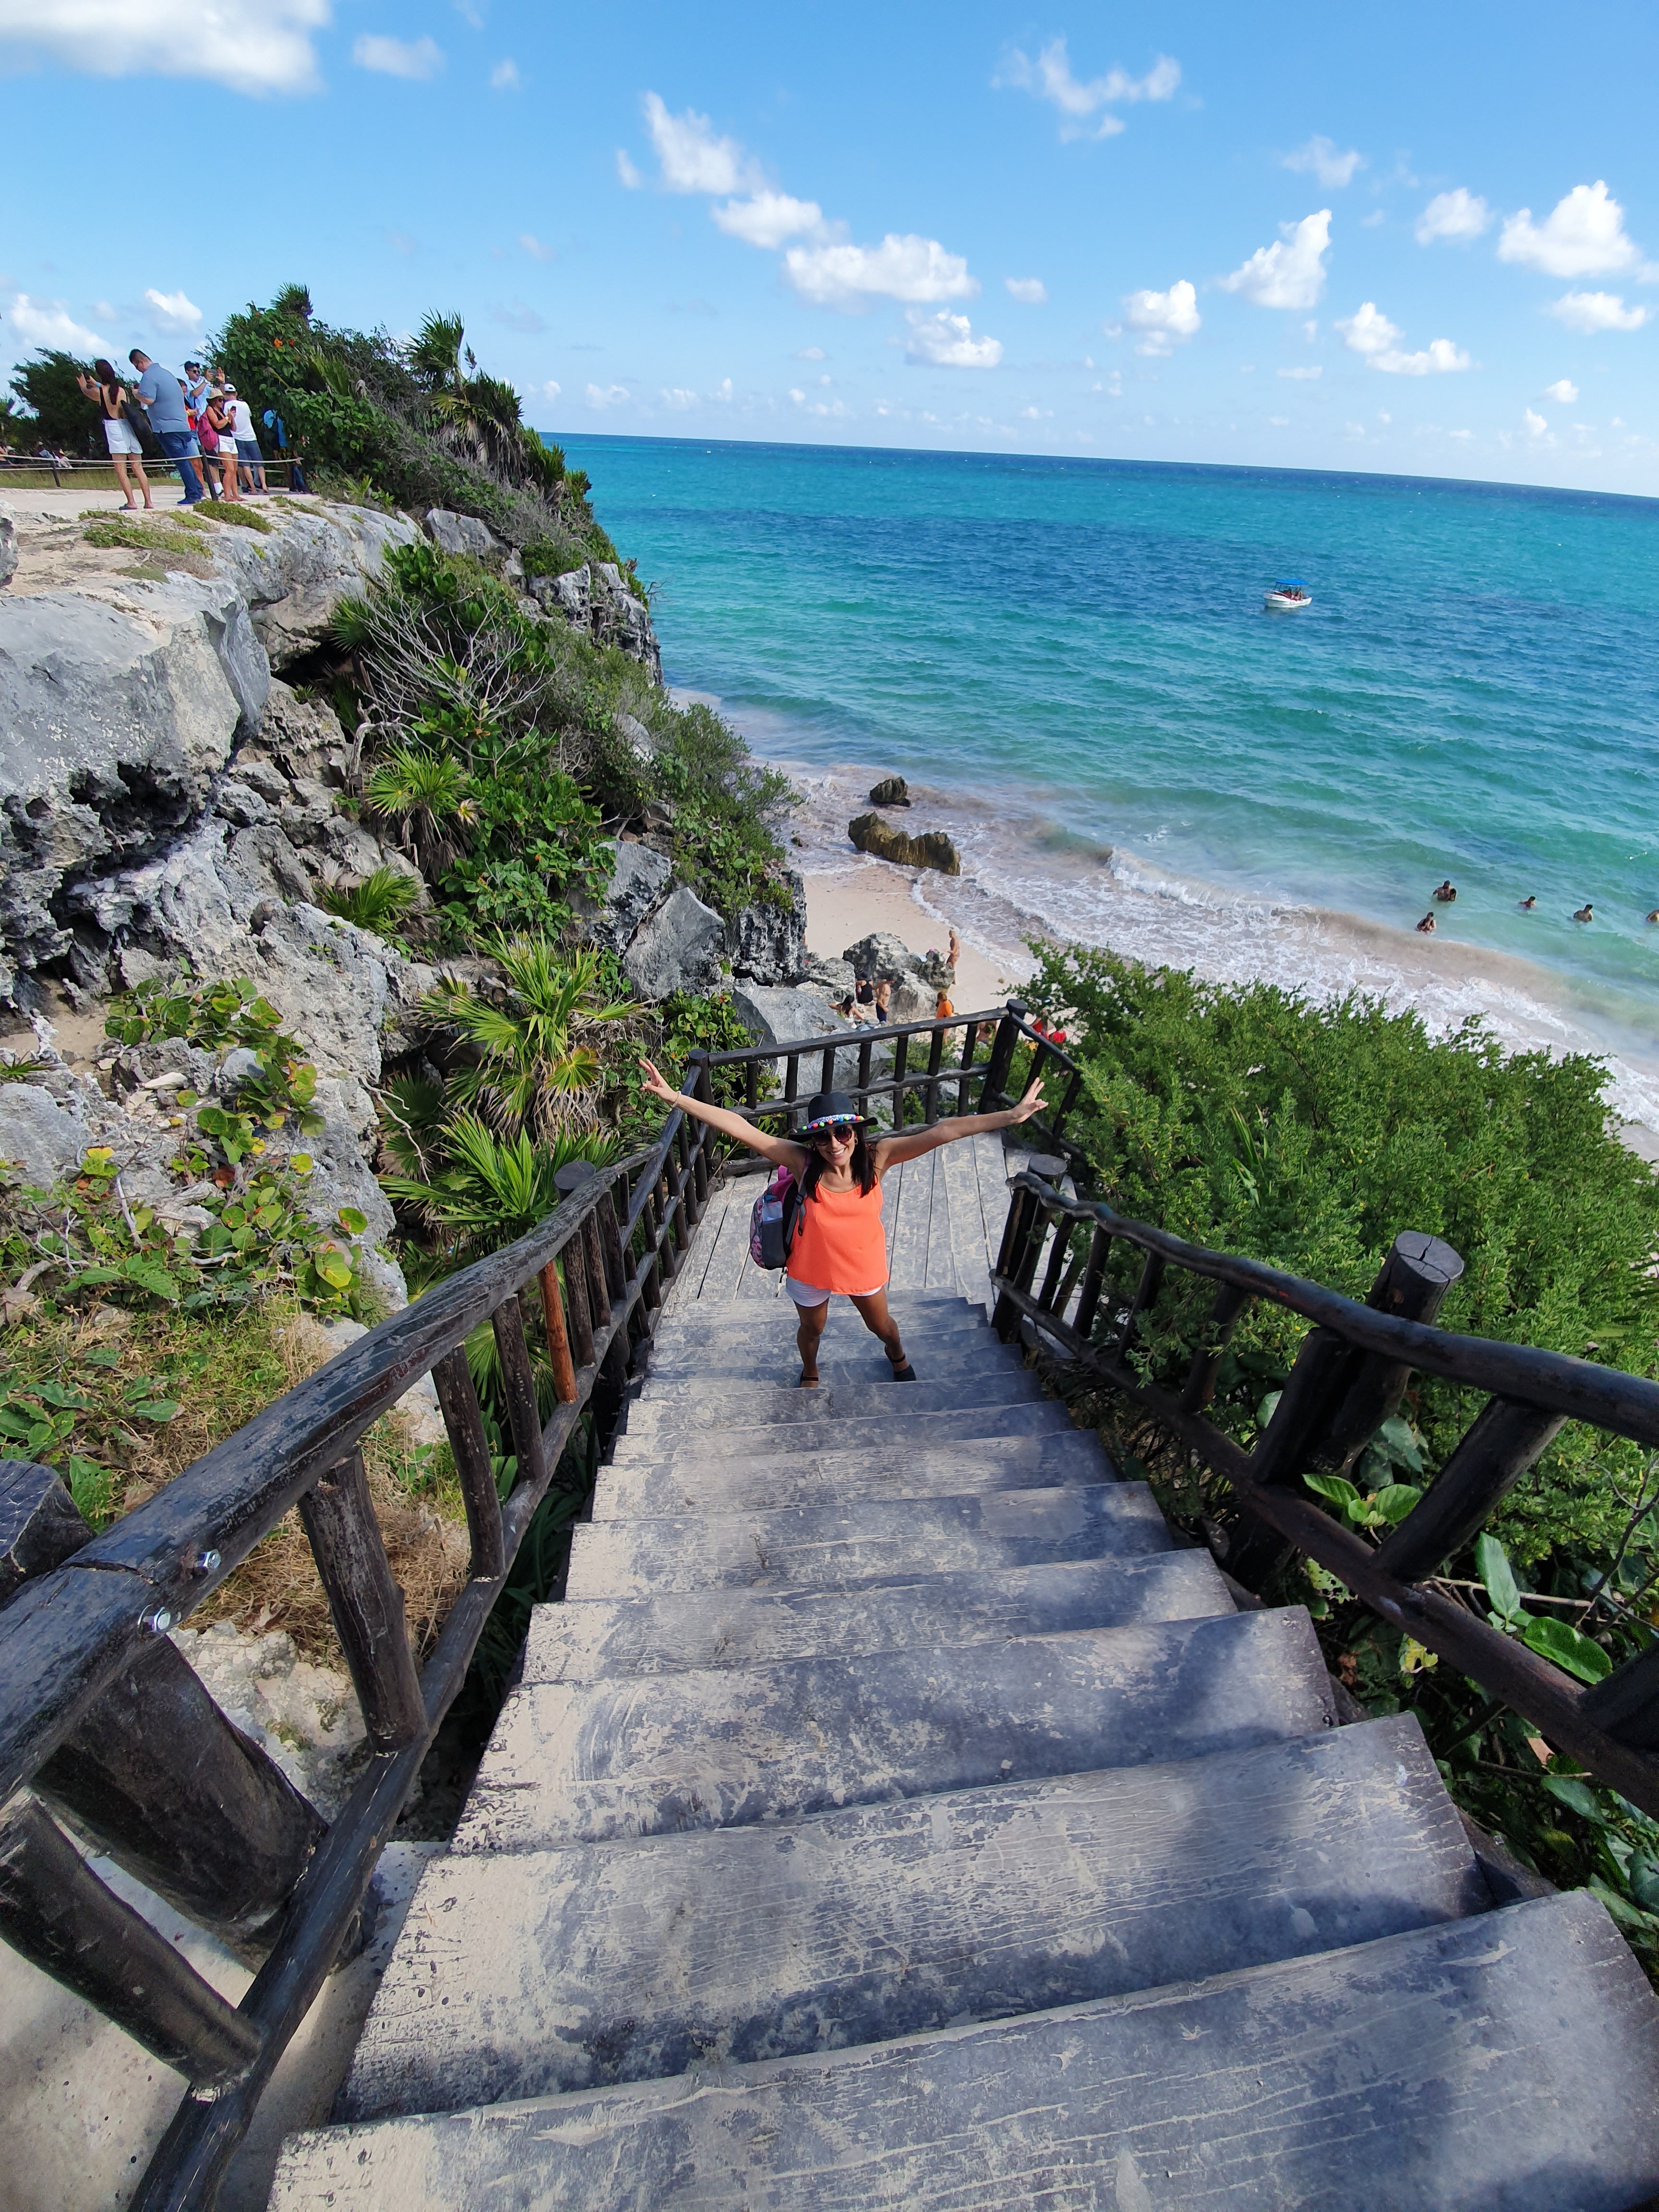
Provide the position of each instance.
(158, 393)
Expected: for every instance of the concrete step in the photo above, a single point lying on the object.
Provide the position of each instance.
(777, 1367)
(589, 1763)
(737, 1408)
(838, 1546)
(739, 1313)
(703, 1485)
(761, 1389)
(553, 1971)
(919, 1430)
(1511, 2059)
(748, 1324)
(593, 1639)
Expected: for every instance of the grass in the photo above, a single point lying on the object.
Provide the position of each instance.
(165, 539)
(236, 516)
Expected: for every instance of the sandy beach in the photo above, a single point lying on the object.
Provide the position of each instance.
(870, 895)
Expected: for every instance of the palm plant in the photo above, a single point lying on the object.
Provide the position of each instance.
(377, 902)
(423, 793)
(478, 416)
(490, 1190)
(538, 1063)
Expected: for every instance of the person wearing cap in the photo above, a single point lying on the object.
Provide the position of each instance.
(247, 441)
(841, 1247)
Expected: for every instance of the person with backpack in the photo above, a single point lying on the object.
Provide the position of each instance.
(831, 1238)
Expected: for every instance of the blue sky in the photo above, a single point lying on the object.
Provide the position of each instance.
(1396, 239)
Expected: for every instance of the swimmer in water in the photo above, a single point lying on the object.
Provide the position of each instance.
(1584, 913)
(1654, 916)
(1528, 904)
(1425, 928)
(1446, 892)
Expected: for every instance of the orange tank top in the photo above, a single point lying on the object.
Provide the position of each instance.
(841, 1245)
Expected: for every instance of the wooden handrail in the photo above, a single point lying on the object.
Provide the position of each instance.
(1338, 1391)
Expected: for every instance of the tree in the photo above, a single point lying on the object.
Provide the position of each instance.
(63, 414)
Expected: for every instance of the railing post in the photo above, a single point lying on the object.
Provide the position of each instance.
(861, 1096)
(701, 1086)
(464, 1423)
(1506, 1438)
(826, 1071)
(935, 1060)
(1146, 1297)
(365, 1603)
(558, 1340)
(1057, 1120)
(616, 1266)
(791, 1089)
(1094, 1277)
(901, 1061)
(994, 1092)
(1200, 1386)
(518, 1388)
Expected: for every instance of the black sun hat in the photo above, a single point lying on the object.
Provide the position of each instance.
(832, 1110)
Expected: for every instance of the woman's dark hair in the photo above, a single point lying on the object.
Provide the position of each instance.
(105, 373)
(864, 1167)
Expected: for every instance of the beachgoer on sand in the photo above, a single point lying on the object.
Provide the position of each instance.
(109, 395)
(841, 1247)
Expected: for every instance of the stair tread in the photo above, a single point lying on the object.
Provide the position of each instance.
(920, 1430)
(778, 1373)
(703, 1485)
(573, 1763)
(1429, 2071)
(547, 1972)
(593, 1639)
(872, 1539)
(768, 1403)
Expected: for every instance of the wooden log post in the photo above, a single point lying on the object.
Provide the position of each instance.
(901, 1061)
(964, 1089)
(170, 1789)
(1059, 1256)
(1094, 1278)
(364, 1603)
(577, 1309)
(1626, 1705)
(1413, 1281)
(1505, 1440)
(826, 1071)
(1200, 1386)
(518, 1389)
(1146, 1298)
(1057, 1120)
(55, 1911)
(558, 1336)
(994, 1092)
(701, 1085)
(935, 1061)
(1005, 1315)
(861, 1096)
(791, 1089)
(464, 1423)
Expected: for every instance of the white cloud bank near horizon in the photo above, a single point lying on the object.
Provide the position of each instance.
(254, 46)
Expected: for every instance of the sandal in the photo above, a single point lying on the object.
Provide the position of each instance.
(809, 1382)
(905, 1373)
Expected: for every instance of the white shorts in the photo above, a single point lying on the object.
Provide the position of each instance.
(808, 1294)
(120, 436)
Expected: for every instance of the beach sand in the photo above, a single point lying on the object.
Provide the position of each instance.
(872, 895)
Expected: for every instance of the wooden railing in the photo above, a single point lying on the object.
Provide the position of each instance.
(1349, 1378)
(101, 1718)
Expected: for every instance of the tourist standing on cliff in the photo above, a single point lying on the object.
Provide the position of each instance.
(840, 1248)
(109, 395)
(159, 396)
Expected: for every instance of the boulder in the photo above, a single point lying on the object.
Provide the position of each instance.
(769, 942)
(681, 948)
(294, 580)
(835, 978)
(882, 954)
(638, 739)
(7, 544)
(931, 849)
(296, 737)
(786, 1016)
(461, 533)
(639, 877)
(36, 1136)
(891, 790)
(622, 619)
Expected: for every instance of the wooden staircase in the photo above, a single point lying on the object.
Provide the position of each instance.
(892, 1815)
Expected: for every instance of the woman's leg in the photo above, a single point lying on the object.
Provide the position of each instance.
(872, 1312)
(119, 462)
(809, 1329)
(144, 480)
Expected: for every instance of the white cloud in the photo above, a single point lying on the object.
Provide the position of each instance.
(1163, 319)
(693, 160)
(1370, 334)
(1583, 235)
(1302, 375)
(1049, 78)
(1030, 291)
(822, 407)
(1320, 158)
(1290, 274)
(1375, 220)
(1459, 216)
(767, 218)
(948, 342)
(1563, 392)
(551, 389)
(49, 323)
(679, 398)
(533, 247)
(630, 176)
(1537, 425)
(252, 46)
(811, 353)
(174, 311)
(607, 395)
(1595, 312)
(417, 60)
(901, 268)
(504, 77)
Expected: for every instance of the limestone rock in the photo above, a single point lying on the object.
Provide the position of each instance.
(598, 599)
(931, 849)
(681, 948)
(296, 738)
(7, 544)
(785, 1016)
(639, 739)
(835, 978)
(882, 954)
(891, 790)
(461, 533)
(294, 580)
(36, 1136)
(769, 942)
(638, 877)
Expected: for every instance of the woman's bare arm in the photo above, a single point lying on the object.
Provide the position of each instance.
(779, 1150)
(910, 1144)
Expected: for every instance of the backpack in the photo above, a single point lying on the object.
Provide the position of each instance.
(775, 1219)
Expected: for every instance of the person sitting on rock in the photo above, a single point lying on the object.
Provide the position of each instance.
(840, 1248)
(943, 1009)
(864, 991)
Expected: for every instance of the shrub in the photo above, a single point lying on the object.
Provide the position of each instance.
(378, 902)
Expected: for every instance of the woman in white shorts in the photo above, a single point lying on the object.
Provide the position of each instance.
(107, 392)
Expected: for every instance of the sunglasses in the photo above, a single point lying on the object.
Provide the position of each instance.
(846, 1130)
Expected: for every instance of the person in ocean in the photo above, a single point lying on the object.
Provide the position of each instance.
(1425, 928)
(1585, 913)
(1528, 904)
(841, 1247)
(1446, 892)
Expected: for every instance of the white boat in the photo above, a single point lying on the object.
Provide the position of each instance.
(1287, 595)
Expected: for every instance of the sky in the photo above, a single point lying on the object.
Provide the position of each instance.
(1395, 239)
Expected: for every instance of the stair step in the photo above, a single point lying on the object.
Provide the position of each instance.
(703, 1485)
(1511, 2059)
(776, 1367)
(737, 1409)
(715, 1314)
(751, 1325)
(921, 1429)
(555, 1971)
(837, 1547)
(593, 1639)
(588, 1763)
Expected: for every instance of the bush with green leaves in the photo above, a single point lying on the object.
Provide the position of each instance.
(377, 902)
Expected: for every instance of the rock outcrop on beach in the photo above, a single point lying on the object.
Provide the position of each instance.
(891, 790)
(931, 849)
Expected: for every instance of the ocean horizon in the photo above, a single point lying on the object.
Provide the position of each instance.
(1069, 660)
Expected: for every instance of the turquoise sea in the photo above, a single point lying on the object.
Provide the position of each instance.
(1070, 661)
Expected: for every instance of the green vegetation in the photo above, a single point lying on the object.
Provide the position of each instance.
(1309, 1136)
(58, 409)
(378, 902)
